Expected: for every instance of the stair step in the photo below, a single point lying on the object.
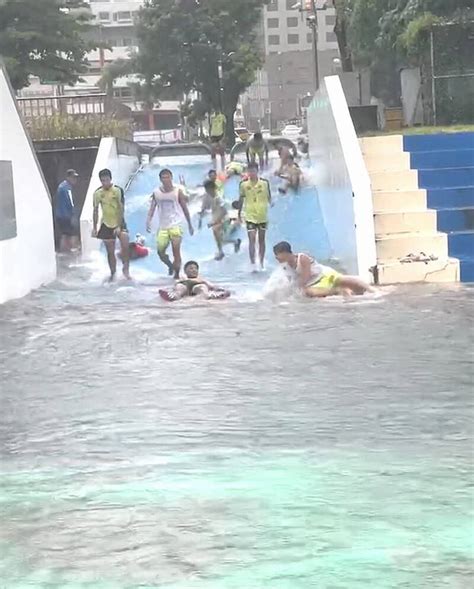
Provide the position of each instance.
(467, 269)
(442, 270)
(460, 219)
(461, 244)
(445, 198)
(446, 178)
(395, 246)
(438, 142)
(380, 162)
(394, 180)
(399, 200)
(388, 222)
(454, 158)
(381, 144)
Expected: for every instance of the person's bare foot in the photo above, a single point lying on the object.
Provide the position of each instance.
(111, 278)
(126, 274)
(219, 256)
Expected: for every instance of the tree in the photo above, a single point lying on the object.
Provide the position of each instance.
(343, 14)
(44, 38)
(388, 34)
(185, 43)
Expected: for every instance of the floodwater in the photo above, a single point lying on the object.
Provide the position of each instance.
(244, 444)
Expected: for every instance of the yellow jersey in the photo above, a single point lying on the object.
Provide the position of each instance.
(112, 203)
(218, 123)
(256, 196)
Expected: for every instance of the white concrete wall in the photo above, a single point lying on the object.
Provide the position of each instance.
(28, 260)
(122, 168)
(342, 179)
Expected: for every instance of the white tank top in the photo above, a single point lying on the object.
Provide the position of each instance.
(317, 269)
(169, 210)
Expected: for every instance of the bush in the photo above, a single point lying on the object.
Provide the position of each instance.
(77, 127)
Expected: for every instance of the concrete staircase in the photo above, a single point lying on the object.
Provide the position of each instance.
(403, 222)
(445, 165)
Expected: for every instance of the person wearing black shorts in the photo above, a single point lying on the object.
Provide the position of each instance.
(110, 199)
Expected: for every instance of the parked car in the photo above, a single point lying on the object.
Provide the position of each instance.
(291, 132)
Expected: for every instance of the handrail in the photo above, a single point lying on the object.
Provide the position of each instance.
(177, 149)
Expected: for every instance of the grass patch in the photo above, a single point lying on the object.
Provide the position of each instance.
(422, 130)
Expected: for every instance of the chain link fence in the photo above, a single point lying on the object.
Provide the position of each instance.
(452, 73)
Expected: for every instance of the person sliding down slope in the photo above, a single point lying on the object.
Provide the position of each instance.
(193, 285)
(315, 279)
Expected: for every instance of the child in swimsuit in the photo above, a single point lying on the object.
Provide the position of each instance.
(193, 285)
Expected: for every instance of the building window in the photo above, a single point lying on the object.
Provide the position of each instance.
(104, 16)
(331, 37)
(330, 19)
(273, 23)
(309, 37)
(124, 15)
(292, 21)
(290, 4)
(293, 39)
(272, 6)
(274, 39)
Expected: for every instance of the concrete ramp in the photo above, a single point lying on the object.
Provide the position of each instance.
(27, 256)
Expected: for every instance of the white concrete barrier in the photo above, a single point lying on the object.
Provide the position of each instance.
(112, 155)
(343, 181)
(27, 256)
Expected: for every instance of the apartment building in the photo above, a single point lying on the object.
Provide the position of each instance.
(290, 59)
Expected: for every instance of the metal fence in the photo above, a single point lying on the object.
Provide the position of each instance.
(452, 73)
(76, 105)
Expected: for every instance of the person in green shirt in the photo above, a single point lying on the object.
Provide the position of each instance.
(217, 134)
(111, 200)
(255, 200)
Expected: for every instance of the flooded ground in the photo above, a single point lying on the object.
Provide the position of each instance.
(235, 445)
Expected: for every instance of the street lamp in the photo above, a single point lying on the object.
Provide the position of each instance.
(312, 22)
(220, 76)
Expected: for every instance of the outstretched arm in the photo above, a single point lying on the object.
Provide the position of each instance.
(151, 212)
(184, 205)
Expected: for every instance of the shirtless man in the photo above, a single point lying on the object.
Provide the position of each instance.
(172, 205)
(291, 174)
(193, 285)
(315, 279)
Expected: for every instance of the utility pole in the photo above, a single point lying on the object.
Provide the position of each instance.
(312, 21)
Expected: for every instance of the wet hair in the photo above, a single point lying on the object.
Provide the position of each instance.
(190, 263)
(209, 184)
(236, 204)
(258, 136)
(283, 247)
(212, 172)
(105, 173)
(252, 166)
(165, 171)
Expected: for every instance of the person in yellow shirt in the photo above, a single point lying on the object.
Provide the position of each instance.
(110, 199)
(255, 200)
(217, 134)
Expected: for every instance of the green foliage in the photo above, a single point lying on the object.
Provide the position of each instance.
(69, 127)
(183, 41)
(44, 38)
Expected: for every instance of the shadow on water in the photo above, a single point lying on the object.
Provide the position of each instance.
(248, 444)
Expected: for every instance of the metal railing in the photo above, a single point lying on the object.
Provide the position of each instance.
(74, 105)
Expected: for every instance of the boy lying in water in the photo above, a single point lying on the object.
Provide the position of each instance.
(315, 279)
(193, 285)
